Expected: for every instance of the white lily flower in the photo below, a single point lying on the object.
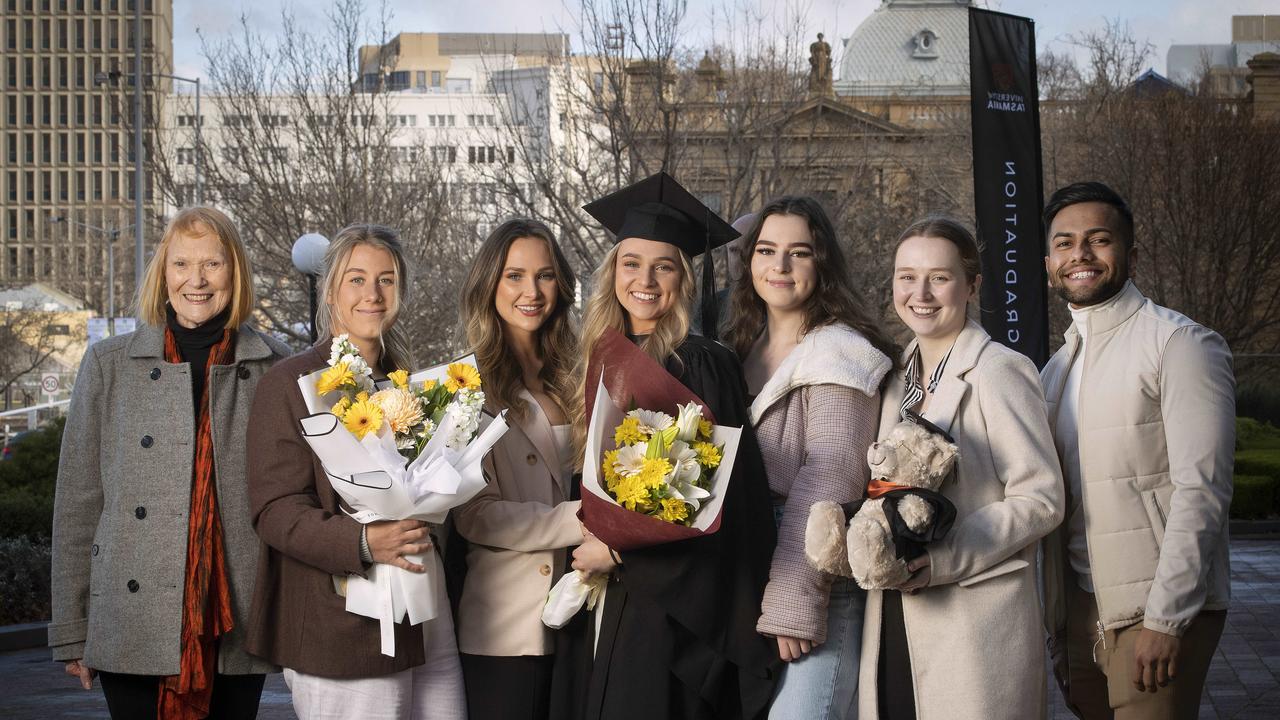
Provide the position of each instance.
(684, 463)
(689, 493)
(687, 422)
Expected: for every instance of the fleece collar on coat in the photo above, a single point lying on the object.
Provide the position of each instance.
(829, 355)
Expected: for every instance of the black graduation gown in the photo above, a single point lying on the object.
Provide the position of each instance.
(678, 635)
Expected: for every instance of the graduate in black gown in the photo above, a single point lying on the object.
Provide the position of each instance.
(677, 634)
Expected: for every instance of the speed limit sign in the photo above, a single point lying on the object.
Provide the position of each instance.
(49, 383)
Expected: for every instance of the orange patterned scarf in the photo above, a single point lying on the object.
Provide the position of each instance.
(206, 606)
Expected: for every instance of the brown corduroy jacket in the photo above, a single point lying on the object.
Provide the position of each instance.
(297, 619)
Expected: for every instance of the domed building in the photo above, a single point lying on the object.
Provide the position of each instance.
(908, 62)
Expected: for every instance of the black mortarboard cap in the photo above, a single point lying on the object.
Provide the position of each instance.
(659, 208)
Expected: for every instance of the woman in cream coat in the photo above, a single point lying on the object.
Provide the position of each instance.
(515, 311)
(969, 613)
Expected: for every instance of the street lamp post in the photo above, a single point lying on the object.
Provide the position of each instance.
(112, 235)
(308, 259)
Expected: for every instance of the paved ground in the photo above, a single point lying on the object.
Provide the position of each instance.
(1244, 681)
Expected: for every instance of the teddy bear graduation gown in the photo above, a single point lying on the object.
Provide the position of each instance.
(677, 636)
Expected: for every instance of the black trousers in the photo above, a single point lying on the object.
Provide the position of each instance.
(508, 688)
(134, 697)
(895, 694)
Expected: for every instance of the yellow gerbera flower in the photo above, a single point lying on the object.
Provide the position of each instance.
(362, 418)
(462, 375)
(334, 378)
(610, 473)
(708, 454)
(399, 378)
(628, 433)
(673, 510)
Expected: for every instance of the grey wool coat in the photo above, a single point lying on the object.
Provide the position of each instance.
(122, 500)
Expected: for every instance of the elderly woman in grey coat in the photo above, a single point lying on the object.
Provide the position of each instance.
(814, 360)
(153, 553)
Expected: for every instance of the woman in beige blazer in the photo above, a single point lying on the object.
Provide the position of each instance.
(515, 311)
(961, 638)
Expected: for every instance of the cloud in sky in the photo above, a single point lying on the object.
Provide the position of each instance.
(1162, 22)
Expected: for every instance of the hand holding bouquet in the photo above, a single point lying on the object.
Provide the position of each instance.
(411, 450)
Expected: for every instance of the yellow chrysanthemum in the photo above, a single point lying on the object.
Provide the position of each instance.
(610, 473)
(429, 385)
(362, 418)
(334, 378)
(704, 429)
(340, 408)
(708, 454)
(654, 472)
(630, 492)
(462, 375)
(628, 433)
(673, 510)
(399, 378)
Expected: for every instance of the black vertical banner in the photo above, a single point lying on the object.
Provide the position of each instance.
(1007, 188)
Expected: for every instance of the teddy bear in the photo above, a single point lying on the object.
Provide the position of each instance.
(903, 510)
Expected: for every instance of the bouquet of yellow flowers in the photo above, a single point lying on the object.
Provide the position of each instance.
(411, 411)
(410, 449)
(662, 465)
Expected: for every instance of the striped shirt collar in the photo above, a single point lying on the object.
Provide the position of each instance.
(914, 394)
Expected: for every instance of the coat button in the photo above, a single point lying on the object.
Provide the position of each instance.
(545, 569)
(147, 441)
(94, 550)
(133, 586)
(243, 373)
(155, 373)
(140, 512)
(531, 459)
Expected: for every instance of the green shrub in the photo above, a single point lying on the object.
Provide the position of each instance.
(27, 481)
(24, 580)
(1254, 434)
(1264, 462)
(1254, 497)
(24, 514)
(1260, 401)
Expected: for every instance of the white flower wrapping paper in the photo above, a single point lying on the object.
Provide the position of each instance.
(378, 483)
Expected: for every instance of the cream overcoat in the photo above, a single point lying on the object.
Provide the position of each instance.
(975, 635)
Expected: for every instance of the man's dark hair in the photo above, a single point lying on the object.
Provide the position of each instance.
(1083, 192)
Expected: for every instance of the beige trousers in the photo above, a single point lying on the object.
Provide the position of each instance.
(1100, 667)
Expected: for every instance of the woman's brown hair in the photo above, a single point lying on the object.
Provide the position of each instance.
(835, 299)
(557, 338)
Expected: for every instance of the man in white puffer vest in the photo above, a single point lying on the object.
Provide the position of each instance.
(1142, 404)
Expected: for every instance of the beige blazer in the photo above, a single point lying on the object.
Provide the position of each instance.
(518, 528)
(974, 634)
(1157, 441)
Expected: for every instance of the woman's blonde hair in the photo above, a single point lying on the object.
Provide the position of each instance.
(604, 311)
(557, 338)
(395, 345)
(153, 295)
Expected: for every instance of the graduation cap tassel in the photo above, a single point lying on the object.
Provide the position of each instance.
(710, 310)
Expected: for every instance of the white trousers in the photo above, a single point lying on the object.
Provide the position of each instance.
(431, 691)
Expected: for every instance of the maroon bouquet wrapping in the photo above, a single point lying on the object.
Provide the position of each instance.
(628, 378)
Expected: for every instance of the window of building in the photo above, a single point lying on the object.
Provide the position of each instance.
(444, 154)
(398, 80)
(436, 78)
(46, 110)
(481, 154)
(275, 120)
(11, 32)
(420, 78)
(29, 184)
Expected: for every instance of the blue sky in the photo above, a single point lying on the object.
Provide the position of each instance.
(1161, 22)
